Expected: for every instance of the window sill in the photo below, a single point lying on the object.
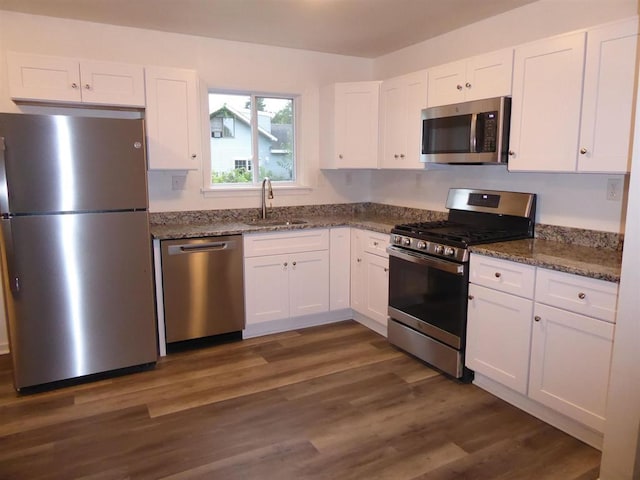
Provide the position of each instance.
(253, 190)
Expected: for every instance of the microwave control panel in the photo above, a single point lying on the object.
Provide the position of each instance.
(487, 132)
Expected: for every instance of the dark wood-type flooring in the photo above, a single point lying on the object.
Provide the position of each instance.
(333, 402)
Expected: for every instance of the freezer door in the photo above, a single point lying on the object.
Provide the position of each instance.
(79, 292)
(56, 163)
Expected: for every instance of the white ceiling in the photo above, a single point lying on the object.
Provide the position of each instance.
(364, 28)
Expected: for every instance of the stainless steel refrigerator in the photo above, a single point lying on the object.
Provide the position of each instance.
(76, 248)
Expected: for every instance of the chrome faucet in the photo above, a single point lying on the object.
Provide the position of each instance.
(266, 189)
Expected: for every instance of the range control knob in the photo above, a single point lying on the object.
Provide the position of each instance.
(422, 245)
(439, 249)
(406, 241)
(449, 251)
(397, 239)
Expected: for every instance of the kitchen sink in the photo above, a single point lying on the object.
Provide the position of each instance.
(274, 222)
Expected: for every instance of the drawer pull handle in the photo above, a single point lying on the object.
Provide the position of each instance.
(537, 318)
(497, 274)
(582, 295)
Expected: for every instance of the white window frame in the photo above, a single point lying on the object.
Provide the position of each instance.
(243, 189)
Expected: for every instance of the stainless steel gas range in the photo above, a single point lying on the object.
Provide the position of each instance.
(429, 272)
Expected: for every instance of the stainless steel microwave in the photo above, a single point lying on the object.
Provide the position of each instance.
(474, 132)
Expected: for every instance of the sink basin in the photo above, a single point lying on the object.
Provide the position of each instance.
(274, 222)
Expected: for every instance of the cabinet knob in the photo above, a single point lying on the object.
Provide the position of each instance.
(468, 85)
(74, 85)
(340, 156)
(582, 295)
(402, 155)
(459, 87)
(285, 264)
(294, 264)
(470, 297)
(358, 260)
(583, 151)
(194, 155)
(87, 86)
(497, 274)
(375, 244)
(386, 269)
(395, 155)
(537, 318)
(512, 153)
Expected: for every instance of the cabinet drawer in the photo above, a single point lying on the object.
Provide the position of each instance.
(276, 243)
(503, 275)
(588, 296)
(376, 243)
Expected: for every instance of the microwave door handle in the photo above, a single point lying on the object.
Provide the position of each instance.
(472, 135)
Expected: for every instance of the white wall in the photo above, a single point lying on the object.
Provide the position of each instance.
(220, 64)
(564, 199)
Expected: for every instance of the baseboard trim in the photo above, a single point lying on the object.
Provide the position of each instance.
(287, 324)
(374, 325)
(561, 422)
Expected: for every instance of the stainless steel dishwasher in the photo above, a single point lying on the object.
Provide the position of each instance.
(203, 287)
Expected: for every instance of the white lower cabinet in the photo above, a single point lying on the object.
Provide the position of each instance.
(570, 360)
(339, 267)
(281, 285)
(498, 336)
(370, 277)
(546, 335)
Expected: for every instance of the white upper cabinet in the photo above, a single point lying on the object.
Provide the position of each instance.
(483, 76)
(605, 129)
(351, 120)
(173, 119)
(68, 80)
(401, 102)
(547, 93)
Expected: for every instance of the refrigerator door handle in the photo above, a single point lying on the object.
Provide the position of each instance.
(14, 279)
(4, 191)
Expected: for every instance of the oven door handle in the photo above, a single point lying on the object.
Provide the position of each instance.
(420, 259)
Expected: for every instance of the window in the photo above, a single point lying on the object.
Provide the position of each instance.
(252, 137)
(221, 126)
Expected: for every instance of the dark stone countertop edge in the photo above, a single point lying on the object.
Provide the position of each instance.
(598, 263)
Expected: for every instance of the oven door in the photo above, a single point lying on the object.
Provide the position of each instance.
(429, 295)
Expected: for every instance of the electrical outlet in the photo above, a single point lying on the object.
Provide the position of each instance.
(614, 189)
(178, 182)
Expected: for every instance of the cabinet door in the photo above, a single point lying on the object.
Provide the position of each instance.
(446, 84)
(401, 102)
(547, 94)
(489, 75)
(358, 302)
(605, 130)
(376, 288)
(173, 119)
(498, 336)
(339, 267)
(110, 83)
(570, 359)
(356, 124)
(308, 283)
(39, 77)
(266, 288)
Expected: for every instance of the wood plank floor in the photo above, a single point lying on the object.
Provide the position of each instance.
(333, 402)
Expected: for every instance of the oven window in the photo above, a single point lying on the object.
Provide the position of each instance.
(430, 295)
(446, 135)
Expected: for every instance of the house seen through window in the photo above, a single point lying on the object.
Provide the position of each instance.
(252, 137)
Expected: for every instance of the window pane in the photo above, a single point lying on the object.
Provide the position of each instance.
(230, 123)
(275, 138)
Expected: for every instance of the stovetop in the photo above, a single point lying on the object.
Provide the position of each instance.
(475, 217)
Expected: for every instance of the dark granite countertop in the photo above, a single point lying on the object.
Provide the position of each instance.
(224, 227)
(587, 253)
(600, 263)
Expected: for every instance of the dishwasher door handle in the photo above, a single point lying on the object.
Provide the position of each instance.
(199, 247)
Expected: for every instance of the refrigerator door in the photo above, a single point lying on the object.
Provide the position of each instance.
(56, 163)
(79, 294)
